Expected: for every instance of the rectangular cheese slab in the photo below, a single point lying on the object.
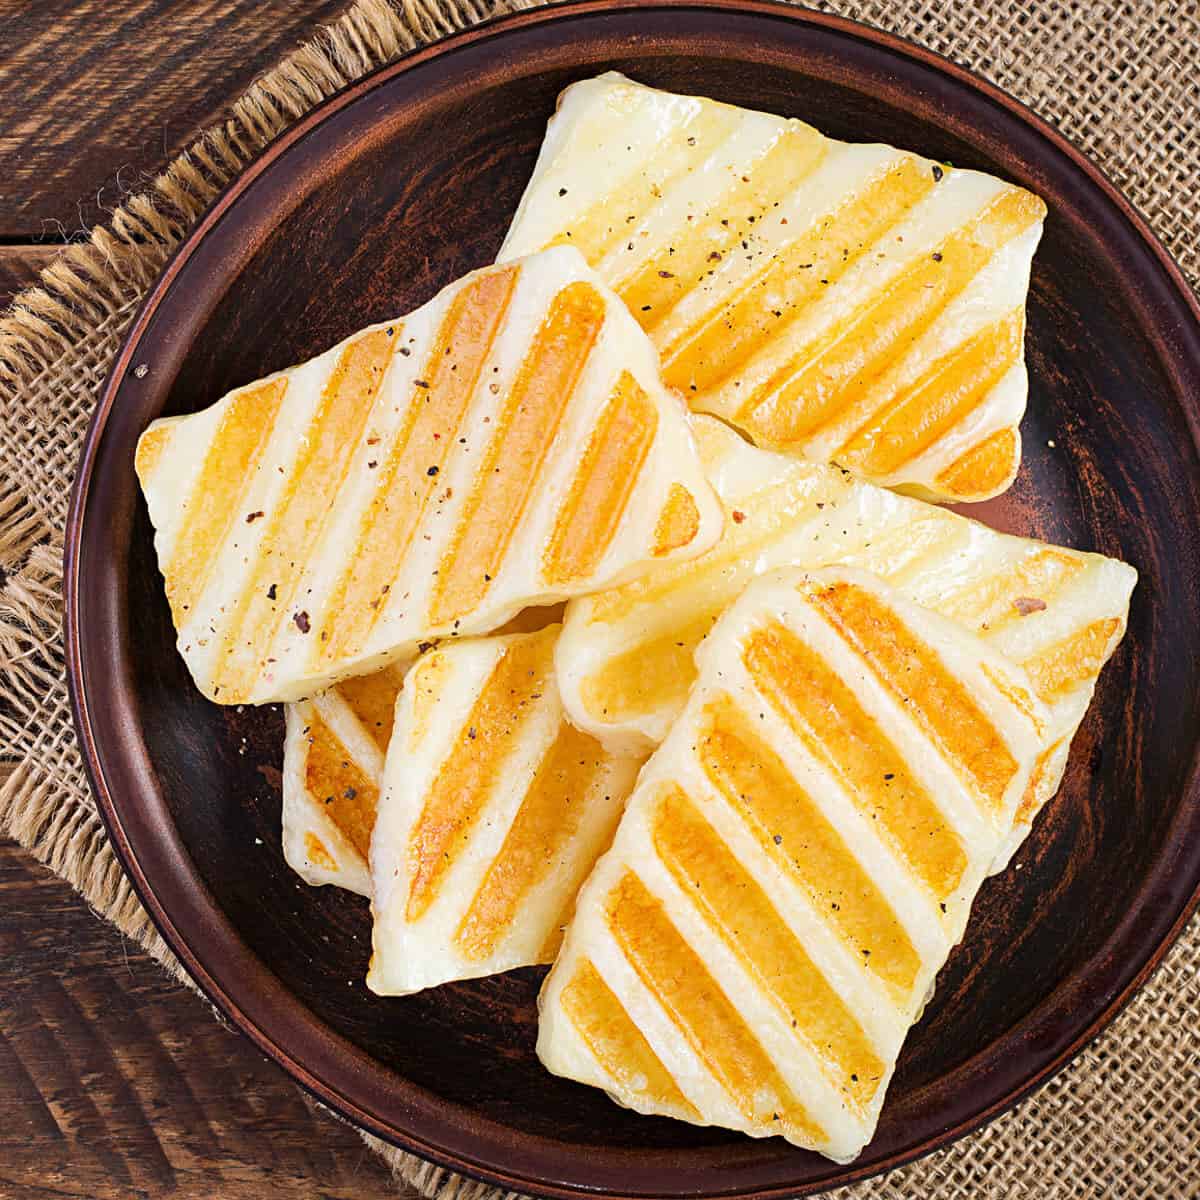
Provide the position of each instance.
(509, 443)
(797, 860)
(493, 810)
(850, 303)
(625, 659)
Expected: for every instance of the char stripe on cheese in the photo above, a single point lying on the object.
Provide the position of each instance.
(603, 484)
(849, 303)
(472, 770)
(618, 1045)
(821, 709)
(790, 828)
(703, 1014)
(736, 906)
(760, 941)
(296, 526)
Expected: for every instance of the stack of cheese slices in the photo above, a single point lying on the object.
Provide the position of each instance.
(619, 624)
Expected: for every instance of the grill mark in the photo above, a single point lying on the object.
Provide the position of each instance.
(1032, 800)
(736, 907)
(547, 826)
(702, 1013)
(349, 797)
(510, 470)
(933, 697)
(772, 803)
(824, 713)
(835, 371)
(425, 684)
(299, 520)
(417, 456)
(616, 1043)
(213, 503)
(678, 523)
(911, 419)
(896, 552)
(711, 351)
(603, 225)
(985, 468)
(372, 700)
(469, 774)
(317, 853)
(648, 677)
(1017, 696)
(657, 285)
(588, 520)
(1066, 664)
(558, 927)
(989, 604)
(767, 514)
(149, 451)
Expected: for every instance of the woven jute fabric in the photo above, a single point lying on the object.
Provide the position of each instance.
(1121, 79)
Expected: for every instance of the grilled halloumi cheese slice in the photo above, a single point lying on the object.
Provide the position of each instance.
(509, 443)
(494, 809)
(333, 759)
(850, 303)
(794, 865)
(625, 659)
(332, 768)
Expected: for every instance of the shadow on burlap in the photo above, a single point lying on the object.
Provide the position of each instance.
(1121, 80)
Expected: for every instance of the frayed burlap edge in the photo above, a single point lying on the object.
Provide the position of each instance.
(58, 339)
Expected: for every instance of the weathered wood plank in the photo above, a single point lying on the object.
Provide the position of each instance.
(117, 1082)
(96, 95)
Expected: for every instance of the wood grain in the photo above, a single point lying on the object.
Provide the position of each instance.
(115, 1081)
(96, 96)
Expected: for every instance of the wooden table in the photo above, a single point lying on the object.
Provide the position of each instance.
(116, 1081)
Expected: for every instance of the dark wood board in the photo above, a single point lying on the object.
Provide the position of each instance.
(96, 96)
(117, 1082)
(428, 160)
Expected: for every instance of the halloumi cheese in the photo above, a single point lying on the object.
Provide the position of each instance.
(625, 659)
(850, 303)
(509, 443)
(494, 809)
(795, 863)
(333, 759)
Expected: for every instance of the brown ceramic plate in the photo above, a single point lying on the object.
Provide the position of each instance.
(364, 210)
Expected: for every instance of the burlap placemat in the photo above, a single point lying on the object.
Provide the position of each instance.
(1120, 79)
